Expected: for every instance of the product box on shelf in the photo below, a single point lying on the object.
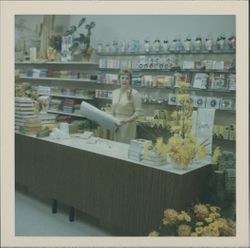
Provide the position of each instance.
(172, 99)
(162, 81)
(212, 102)
(200, 80)
(227, 103)
(188, 65)
(218, 81)
(199, 101)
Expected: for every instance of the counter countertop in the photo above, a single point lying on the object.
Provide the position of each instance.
(117, 150)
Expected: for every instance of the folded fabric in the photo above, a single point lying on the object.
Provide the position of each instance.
(102, 118)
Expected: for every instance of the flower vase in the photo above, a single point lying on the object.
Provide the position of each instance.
(179, 166)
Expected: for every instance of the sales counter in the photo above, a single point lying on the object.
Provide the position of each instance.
(99, 179)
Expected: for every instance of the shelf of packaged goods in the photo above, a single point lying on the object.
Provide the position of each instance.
(188, 89)
(64, 113)
(68, 96)
(164, 103)
(55, 63)
(173, 70)
(104, 98)
(83, 80)
(217, 51)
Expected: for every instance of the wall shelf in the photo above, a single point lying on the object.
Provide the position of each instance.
(222, 51)
(80, 80)
(63, 113)
(174, 70)
(68, 96)
(55, 63)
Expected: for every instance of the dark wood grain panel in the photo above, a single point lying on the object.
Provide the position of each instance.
(23, 159)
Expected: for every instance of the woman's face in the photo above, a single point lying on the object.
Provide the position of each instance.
(125, 81)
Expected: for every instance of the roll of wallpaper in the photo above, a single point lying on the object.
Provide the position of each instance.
(104, 119)
(204, 126)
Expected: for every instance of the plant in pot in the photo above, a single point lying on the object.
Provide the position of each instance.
(81, 48)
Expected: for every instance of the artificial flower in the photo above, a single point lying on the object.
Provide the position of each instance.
(184, 230)
(154, 234)
(171, 215)
(201, 211)
(216, 155)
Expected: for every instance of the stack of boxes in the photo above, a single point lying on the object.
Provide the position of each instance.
(25, 119)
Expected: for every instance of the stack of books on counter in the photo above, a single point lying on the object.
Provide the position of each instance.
(153, 158)
(26, 121)
(48, 120)
(136, 148)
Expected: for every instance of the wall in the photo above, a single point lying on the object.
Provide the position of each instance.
(27, 28)
(111, 27)
(126, 27)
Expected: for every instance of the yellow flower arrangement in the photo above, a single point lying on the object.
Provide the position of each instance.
(183, 146)
(199, 220)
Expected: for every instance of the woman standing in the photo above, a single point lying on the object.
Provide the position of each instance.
(126, 106)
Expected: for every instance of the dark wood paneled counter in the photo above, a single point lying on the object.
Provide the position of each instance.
(123, 194)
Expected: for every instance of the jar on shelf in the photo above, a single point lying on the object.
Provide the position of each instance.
(221, 42)
(99, 47)
(198, 43)
(146, 45)
(187, 44)
(156, 45)
(232, 42)
(165, 45)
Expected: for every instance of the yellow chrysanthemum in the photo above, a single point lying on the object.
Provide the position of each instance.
(201, 152)
(145, 149)
(213, 209)
(182, 98)
(194, 234)
(200, 223)
(212, 216)
(187, 218)
(208, 220)
(180, 217)
(199, 230)
(154, 234)
(216, 155)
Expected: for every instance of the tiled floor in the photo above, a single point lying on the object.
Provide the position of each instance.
(34, 218)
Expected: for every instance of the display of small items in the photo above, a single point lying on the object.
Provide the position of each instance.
(175, 44)
(103, 94)
(42, 73)
(226, 164)
(226, 132)
(166, 62)
(226, 103)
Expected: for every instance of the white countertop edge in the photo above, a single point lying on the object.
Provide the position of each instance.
(121, 152)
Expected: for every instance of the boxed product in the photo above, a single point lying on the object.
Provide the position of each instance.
(200, 80)
(212, 102)
(188, 65)
(199, 101)
(227, 104)
(218, 81)
(162, 81)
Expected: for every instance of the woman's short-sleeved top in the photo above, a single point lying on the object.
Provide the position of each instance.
(125, 104)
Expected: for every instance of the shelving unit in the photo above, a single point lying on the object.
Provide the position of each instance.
(83, 83)
(110, 62)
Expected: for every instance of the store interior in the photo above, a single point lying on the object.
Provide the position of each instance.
(176, 175)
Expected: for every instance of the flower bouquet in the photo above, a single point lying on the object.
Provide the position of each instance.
(200, 220)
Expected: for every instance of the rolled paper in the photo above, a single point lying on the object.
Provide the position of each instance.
(104, 119)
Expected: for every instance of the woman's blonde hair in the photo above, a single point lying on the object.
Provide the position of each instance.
(125, 72)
